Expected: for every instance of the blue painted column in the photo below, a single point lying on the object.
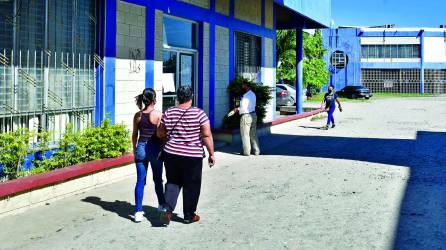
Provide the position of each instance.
(99, 100)
(299, 70)
(274, 60)
(150, 46)
(422, 62)
(110, 58)
(200, 65)
(212, 67)
(212, 74)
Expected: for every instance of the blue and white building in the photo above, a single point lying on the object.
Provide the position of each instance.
(81, 61)
(388, 59)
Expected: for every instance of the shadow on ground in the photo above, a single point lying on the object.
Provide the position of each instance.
(422, 221)
(125, 210)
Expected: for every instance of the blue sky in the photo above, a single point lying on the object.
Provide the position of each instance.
(403, 13)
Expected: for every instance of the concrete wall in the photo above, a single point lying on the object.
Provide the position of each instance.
(221, 74)
(130, 60)
(206, 67)
(269, 76)
(248, 10)
(345, 40)
(223, 6)
(435, 49)
(390, 40)
(269, 14)
(318, 10)
(20, 203)
(390, 60)
(158, 59)
(200, 3)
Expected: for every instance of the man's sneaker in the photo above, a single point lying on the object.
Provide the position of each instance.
(165, 217)
(139, 216)
(325, 127)
(332, 126)
(191, 219)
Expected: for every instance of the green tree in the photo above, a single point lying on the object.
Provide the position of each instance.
(315, 72)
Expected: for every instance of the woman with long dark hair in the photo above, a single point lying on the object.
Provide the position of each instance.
(187, 129)
(146, 147)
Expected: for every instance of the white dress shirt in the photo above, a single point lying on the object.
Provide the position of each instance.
(248, 103)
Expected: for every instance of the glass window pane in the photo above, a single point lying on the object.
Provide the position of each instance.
(60, 15)
(364, 51)
(380, 51)
(6, 25)
(179, 33)
(387, 51)
(402, 51)
(169, 71)
(393, 51)
(416, 51)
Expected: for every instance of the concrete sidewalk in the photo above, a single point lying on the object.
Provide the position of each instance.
(376, 181)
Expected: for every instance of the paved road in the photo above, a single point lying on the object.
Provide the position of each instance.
(376, 181)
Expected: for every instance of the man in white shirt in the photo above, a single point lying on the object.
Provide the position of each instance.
(248, 121)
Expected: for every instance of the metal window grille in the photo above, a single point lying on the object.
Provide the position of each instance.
(392, 80)
(47, 65)
(248, 54)
(435, 81)
(339, 59)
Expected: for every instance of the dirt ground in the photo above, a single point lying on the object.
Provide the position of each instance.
(376, 181)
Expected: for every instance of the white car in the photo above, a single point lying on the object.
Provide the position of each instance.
(291, 90)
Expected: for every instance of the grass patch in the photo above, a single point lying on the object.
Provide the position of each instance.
(319, 98)
(392, 95)
(378, 95)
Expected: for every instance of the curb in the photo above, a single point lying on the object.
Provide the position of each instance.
(26, 184)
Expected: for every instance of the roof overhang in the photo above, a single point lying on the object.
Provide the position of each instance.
(305, 14)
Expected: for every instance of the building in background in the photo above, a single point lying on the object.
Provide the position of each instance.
(80, 61)
(388, 59)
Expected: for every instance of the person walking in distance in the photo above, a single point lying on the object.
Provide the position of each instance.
(186, 129)
(146, 147)
(330, 99)
(248, 121)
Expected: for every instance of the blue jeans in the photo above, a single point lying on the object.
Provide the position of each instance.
(148, 152)
(330, 118)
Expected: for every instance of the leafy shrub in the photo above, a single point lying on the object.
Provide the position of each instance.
(13, 150)
(94, 143)
(263, 95)
(106, 141)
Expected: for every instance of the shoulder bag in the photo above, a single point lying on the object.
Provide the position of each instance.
(162, 154)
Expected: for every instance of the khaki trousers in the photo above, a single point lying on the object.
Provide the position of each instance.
(248, 126)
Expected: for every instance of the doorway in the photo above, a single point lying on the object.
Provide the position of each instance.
(179, 69)
(179, 58)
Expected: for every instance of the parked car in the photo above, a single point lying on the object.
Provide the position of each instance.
(283, 98)
(355, 92)
(290, 99)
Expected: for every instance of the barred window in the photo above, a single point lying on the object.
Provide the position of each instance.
(248, 55)
(390, 51)
(339, 59)
(55, 82)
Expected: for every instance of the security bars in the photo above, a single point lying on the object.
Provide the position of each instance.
(47, 65)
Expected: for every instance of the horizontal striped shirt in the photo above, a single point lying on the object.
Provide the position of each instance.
(185, 139)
